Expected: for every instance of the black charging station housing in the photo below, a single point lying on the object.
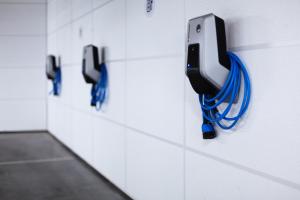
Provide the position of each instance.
(199, 83)
(51, 67)
(90, 64)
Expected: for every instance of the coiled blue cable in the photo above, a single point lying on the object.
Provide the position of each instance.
(230, 90)
(99, 89)
(56, 83)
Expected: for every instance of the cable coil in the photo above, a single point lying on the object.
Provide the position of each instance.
(230, 90)
(56, 83)
(98, 91)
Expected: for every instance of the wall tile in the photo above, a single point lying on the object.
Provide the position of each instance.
(209, 179)
(109, 147)
(22, 115)
(81, 36)
(158, 34)
(252, 22)
(81, 92)
(97, 3)
(82, 135)
(22, 51)
(22, 19)
(154, 168)
(52, 44)
(64, 45)
(111, 33)
(63, 124)
(155, 97)
(80, 7)
(63, 12)
(22, 84)
(66, 85)
(51, 116)
(51, 16)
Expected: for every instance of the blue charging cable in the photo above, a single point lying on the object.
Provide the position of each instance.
(99, 89)
(56, 83)
(229, 91)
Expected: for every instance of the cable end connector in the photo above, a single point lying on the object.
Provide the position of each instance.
(208, 131)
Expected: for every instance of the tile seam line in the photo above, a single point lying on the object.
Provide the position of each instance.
(36, 161)
(79, 17)
(131, 59)
(15, 67)
(241, 48)
(22, 99)
(128, 60)
(23, 35)
(23, 3)
(258, 173)
(252, 171)
(265, 46)
(75, 19)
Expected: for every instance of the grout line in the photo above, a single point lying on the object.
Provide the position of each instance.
(21, 67)
(23, 35)
(261, 174)
(265, 46)
(236, 48)
(22, 99)
(22, 3)
(129, 59)
(36, 161)
(79, 17)
(154, 57)
(90, 11)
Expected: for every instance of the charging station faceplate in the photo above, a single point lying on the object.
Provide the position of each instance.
(90, 64)
(207, 62)
(51, 67)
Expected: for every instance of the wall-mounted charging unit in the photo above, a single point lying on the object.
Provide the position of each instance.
(53, 73)
(95, 74)
(215, 74)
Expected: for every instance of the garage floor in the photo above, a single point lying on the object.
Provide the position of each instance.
(34, 166)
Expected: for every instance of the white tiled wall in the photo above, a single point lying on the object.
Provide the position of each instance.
(22, 59)
(147, 139)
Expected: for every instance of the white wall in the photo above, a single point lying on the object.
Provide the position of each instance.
(148, 140)
(22, 60)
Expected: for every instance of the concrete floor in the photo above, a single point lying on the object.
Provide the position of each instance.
(34, 166)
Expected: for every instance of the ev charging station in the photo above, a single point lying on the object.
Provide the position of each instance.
(96, 74)
(53, 73)
(215, 74)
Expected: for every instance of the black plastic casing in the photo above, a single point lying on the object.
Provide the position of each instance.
(90, 64)
(51, 67)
